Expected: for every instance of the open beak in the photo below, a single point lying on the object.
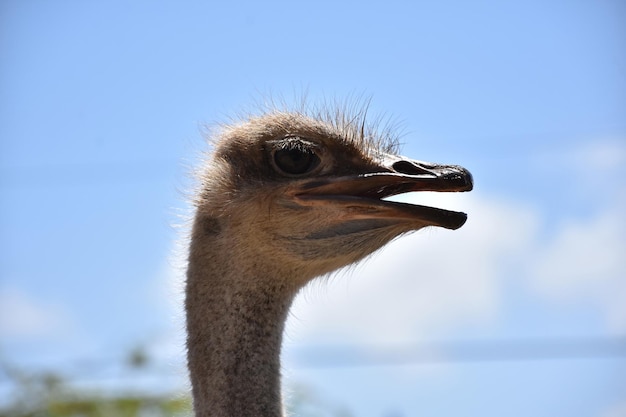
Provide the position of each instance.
(361, 195)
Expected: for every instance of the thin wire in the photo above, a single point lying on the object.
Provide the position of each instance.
(59, 175)
(462, 352)
(325, 357)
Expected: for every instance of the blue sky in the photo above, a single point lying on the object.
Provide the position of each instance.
(101, 114)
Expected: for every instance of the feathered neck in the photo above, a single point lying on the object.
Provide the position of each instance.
(235, 319)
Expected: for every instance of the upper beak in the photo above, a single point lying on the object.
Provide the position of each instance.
(362, 194)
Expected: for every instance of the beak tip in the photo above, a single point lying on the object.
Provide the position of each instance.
(465, 179)
(469, 180)
(456, 221)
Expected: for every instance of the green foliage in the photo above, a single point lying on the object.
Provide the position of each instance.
(303, 401)
(82, 405)
(51, 394)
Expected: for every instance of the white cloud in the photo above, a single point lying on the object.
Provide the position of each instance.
(22, 317)
(598, 157)
(434, 279)
(618, 410)
(586, 260)
(170, 293)
(422, 282)
(590, 159)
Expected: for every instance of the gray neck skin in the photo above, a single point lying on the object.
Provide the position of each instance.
(235, 321)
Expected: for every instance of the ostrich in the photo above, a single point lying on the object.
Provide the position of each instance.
(287, 197)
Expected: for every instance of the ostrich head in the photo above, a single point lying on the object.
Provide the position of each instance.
(304, 196)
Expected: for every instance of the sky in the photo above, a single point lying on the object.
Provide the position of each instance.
(102, 111)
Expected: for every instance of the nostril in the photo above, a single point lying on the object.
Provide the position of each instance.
(409, 168)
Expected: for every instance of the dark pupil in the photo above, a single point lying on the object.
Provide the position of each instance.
(295, 161)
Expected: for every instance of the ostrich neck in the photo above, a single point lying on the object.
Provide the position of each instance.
(235, 320)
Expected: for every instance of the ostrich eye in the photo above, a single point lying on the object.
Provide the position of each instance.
(296, 158)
